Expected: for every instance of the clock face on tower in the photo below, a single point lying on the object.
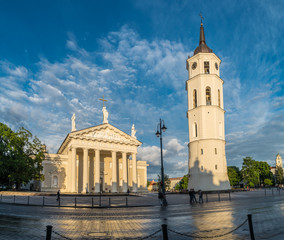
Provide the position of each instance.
(194, 65)
(216, 66)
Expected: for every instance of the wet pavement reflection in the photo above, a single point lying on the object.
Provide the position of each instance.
(210, 219)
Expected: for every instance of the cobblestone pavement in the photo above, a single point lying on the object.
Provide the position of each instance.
(204, 220)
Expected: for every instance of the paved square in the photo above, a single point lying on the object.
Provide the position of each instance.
(209, 219)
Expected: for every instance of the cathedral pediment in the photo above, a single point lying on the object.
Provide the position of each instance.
(101, 133)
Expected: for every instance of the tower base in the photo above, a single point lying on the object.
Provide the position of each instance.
(208, 182)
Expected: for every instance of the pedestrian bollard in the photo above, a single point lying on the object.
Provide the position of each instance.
(75, 202)
(219, 196)
(14, 199)
(48, 232)
(100, 203)
(92, 202)
(126, 202)
(250, 227)
(43, 201)
(28, 200)
(165, 231)
(109, 203)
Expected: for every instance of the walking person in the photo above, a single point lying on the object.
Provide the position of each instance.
(58, 195)
(192, 197)
(200, 195)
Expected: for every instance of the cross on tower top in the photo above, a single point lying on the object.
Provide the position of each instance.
(103, 100)
(200, 14)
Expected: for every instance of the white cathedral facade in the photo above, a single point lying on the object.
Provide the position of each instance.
(207, 158)
(96, 159)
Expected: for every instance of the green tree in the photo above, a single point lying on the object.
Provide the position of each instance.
(263, 171)
(249, 172)
(267, 182)
(21, 157)
(183, 183)
(234, 175)
(255, 172)
(279, 175)
(167, 181)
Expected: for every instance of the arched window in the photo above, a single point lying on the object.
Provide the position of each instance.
(195, 129)
(208, 96)
(206, 68)
(55, 181)
(194, 98)
(219, 100)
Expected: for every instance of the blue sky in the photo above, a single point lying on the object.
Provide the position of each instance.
(59, 57)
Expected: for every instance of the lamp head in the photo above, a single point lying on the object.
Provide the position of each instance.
(158, 133)
(164, 128)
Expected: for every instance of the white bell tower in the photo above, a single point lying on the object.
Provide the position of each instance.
(207, 158)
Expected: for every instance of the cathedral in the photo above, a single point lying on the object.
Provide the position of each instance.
(96, 159)
(207, 158)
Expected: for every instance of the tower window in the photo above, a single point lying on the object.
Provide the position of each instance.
(201, 151)
(219, 100)
(201, 168)
(216, 166)
(206, 68)
(216, 151)
(208, 96)
(195, 130)
(194, 98)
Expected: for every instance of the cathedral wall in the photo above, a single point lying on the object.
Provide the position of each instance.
(55, 171)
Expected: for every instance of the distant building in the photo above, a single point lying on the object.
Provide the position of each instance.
(153, 186)
(278, 162)
(174, 182)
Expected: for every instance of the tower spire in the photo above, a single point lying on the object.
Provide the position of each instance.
(202, 44)
(202, 35)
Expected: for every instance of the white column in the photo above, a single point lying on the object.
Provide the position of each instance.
(91, 172)
(85, 171)
(97, 171)
(114, 172)
(124, 173)
(134, 173)
(73, 169)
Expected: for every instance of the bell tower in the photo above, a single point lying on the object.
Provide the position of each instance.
(207, 163)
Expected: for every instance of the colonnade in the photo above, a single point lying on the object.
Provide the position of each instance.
(95, 169)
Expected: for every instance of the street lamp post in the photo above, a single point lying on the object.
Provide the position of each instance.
(162, 128)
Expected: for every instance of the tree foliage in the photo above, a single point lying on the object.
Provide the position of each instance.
(267, 182)
(183, 183)
(279, 175)
(21, 157)
(234, 175)
(254, 172)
